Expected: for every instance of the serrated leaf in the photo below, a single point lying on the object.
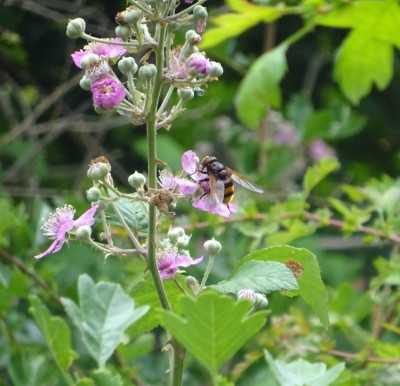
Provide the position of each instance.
(260, 276)
(316, 173)
(366, 56)
(233, 24)
(362, 62)
(213, 327)
(105, 311)
(260, 90)
(303, 373)
(145, 293)
(56, 333)
(311, 286)
(133, 213)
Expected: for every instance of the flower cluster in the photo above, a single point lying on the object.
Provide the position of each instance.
(96, 59)
(173, 255)
(187, 70)
(61, 223)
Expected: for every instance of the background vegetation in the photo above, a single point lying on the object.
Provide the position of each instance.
(49, 133)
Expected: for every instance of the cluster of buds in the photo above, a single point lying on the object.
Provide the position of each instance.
(184, 70)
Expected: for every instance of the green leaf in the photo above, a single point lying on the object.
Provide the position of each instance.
(133, 214)
(303, 373)
(316, 173)
(260, 90)
(260, 276)
(233, 24)
(105, 311)
(305, 264)
(213, 327)
(28, 368)
(104, 377)
(145, 293)
(362, 62)
(85, 382)
(56, 333)
(366, 56)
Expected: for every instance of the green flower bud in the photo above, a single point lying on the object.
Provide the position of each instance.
(88, 59)
(93, 194)
(132, 16)
(213, 247)
(174, 26)
(185, 94)
(216, 70)
(260, 302)
(85, 83)
(200, 12)
(127, 65)
(137, 180)
(183, 241)
(148, 71)
(99, 168)
(76, 28)
(175, 233)
(122, 31)
(192, 283)
(192, 37)
(83, 232)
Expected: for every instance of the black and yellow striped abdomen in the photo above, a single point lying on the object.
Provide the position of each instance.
(228, 190)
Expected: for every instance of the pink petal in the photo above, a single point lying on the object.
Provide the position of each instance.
(188, 188)
(87, 218)
(189, 162)
(55, 247)
(77, 57)
(186, 261)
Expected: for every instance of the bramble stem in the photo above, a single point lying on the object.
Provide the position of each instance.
(151, 119)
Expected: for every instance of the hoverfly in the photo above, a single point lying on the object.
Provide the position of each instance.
(220, 179)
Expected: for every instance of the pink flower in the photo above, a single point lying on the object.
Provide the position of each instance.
(107, 93)
(207, 201)
(168, 262)
(168, 181)
(60, 223)
(319, 149)
(198, 64)
(109, 51)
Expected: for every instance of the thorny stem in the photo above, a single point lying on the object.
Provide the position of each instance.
(177, 354)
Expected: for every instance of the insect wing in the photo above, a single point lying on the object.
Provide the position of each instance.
(244, 181)
(217, 188)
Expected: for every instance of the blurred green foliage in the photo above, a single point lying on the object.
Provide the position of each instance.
(349, 220)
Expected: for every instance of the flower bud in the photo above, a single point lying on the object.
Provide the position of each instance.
(192, 283)
(246, 294)
(93, 194)
(200, 12)
(261, 301)
(183, 241)
(185, 94)
(88, 59)
(122, 31)
(148, 71)
(213, 247)
(76, 28)
(198, 64)
(173, 26)
(216, 70)
(99, 168)
(83, 232)
(175, 233)
(85, 83)
(127, 65)
(132, 16)
(192, 37)
(137, 180)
